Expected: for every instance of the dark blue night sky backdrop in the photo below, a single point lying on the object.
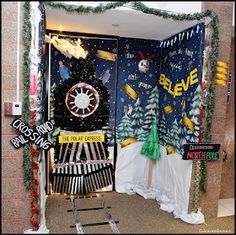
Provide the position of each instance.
(184, 64)
(91, 45)
(168, 60)
(128, 60)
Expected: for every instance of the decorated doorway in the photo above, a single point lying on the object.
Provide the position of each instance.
(82, 76)
(109, 97)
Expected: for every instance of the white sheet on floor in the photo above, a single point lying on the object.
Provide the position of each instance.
(171, 178)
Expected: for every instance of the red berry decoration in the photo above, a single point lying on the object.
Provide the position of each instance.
(34, 209)
(34, 194)
(35, 181)
(35, 165)
(34, 152)
(34, 222)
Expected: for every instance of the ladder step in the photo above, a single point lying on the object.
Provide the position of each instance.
(94, 224)
(89, 209)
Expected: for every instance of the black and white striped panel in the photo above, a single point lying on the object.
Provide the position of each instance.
(81, 178)
(68, 179)
(98, 176)
(75, 152)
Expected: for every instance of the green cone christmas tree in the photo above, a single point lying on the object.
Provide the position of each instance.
(151, 147)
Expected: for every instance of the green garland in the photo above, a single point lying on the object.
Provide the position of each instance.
(80, 9)
(83, 9)
(210, 105)
(27, 169)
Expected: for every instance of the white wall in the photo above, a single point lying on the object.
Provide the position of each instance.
(179, 7)
(233, 13)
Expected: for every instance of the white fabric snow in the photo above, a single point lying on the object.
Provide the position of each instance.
(171, 178)
(42, 230)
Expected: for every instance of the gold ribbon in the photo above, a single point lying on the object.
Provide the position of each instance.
(221, 73)
(188, 123)
(168, 109)
(131, 92)
(170, 150)
(128, 141)
(221, 76)
(220, 82)
(221, 70)
(106, 55)
(222, 64)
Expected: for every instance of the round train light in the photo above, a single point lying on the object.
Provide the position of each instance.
(82, 100)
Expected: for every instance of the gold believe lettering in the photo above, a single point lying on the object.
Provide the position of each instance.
(179, 87)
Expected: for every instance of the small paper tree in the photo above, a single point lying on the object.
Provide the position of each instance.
(151, 149)
(124, 129)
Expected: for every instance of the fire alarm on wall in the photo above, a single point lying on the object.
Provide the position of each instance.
(16, 109)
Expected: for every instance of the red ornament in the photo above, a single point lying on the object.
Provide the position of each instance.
(35, 165)
(182, 104)
(33, 118)
(34, 194)
(34, 209)
(34, 152)
(35, 181)
(34, 222)
(204, 85)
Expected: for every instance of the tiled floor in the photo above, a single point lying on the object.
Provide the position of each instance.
(226, 207)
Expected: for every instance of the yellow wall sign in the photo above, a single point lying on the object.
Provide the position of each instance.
(177, 89)
(81, 138)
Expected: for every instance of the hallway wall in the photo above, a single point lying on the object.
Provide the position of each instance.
(209, 200)
(15, 199)
(228, 170)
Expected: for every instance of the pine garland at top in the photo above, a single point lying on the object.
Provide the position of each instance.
(102, 8)
(86, 9)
